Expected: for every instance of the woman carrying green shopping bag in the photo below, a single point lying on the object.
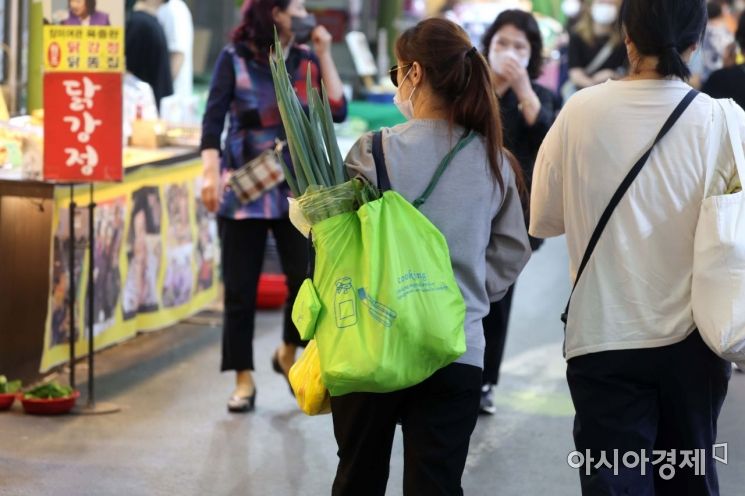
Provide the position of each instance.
(444, 90)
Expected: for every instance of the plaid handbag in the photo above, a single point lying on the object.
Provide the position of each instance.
(258, 175)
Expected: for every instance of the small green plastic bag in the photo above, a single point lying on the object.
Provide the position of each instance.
(306, 309)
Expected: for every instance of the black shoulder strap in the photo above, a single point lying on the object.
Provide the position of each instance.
(381, 171)
(625, 185)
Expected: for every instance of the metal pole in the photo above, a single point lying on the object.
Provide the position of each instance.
(71, 285)
(91, 407)
(91, 296)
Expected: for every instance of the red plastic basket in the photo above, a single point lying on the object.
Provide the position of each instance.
(54, 406)
(272, 291)
(6, 401)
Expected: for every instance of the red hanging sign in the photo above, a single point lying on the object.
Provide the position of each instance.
(82, 127)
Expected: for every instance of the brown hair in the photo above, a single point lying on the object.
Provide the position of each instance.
(585, 26)
(257, 24)
(461, 77)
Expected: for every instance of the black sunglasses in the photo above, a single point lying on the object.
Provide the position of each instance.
(393, 72)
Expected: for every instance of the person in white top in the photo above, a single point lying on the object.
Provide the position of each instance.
(640, 375)
(175, 17)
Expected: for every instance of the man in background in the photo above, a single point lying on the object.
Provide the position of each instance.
(178, 26)
(146, 49)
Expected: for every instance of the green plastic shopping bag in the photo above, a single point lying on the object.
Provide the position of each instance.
(391, 313)
(384, 306)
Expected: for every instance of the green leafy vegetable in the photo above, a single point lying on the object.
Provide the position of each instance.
(49, 391)
(9, 387)
(319, 180)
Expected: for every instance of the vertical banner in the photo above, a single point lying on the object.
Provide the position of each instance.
(83, 103)
(82, 127)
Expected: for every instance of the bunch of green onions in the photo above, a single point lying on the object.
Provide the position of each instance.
(311, 139)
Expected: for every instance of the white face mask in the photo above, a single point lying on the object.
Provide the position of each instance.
(604, 13)
(405, 107)
(571, 8)
(498, 58)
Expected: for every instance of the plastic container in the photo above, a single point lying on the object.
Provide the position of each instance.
(6, 401)
(272, 292)
(54, 406)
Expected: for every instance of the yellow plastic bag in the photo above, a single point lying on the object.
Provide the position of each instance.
(305, 378)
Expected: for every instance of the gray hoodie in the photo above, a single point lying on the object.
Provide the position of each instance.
(484, 226)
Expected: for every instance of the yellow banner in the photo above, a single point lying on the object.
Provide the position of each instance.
(155, 259)
(83, 49)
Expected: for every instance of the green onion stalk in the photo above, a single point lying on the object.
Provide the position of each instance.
(319, 180)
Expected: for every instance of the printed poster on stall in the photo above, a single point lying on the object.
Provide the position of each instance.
(83, 49)
(155, 260)
(83, 63)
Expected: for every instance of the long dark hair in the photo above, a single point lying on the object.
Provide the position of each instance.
(257, 25)
(665, 29)
(525, 22)
(740, 35)
(461, 77)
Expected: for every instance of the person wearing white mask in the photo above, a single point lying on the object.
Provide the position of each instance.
(596, 53)
(571, 8)
(514, 48)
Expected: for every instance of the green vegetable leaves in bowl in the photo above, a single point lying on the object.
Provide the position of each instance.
(48, 391)
(9, 387)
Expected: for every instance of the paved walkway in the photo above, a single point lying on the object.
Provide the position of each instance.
(174, 436)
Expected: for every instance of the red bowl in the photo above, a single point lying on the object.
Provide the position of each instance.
(54, 406)
(6, 401)
(272, 291)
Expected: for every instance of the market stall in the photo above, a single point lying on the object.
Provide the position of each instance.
(155, 259)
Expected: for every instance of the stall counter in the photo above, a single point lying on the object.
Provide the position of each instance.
(156, 258)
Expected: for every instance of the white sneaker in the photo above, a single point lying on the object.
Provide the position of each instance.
(487, 405)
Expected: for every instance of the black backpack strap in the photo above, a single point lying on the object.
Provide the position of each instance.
(381, 171)
(311, 270)
(625, 185)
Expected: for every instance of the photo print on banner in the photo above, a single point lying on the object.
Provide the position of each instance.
(60, 288)
(179, 280)
(84, 12)
(206, 253)
(109, 232)
(144, 249)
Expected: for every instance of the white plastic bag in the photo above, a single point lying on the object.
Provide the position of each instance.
(718, 288)
(298, 219)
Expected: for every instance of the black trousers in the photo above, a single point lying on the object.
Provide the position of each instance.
(242, 245)
(495, 328)
(662, 399)
(437, 419)
(495, 336)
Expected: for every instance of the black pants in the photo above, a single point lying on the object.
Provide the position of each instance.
(663, 399)
(437, 418)
(495, 328)
(242, 244)
(495, 336)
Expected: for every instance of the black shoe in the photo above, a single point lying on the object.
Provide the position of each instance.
(278, 369)
(487, 405)
(237, 404)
